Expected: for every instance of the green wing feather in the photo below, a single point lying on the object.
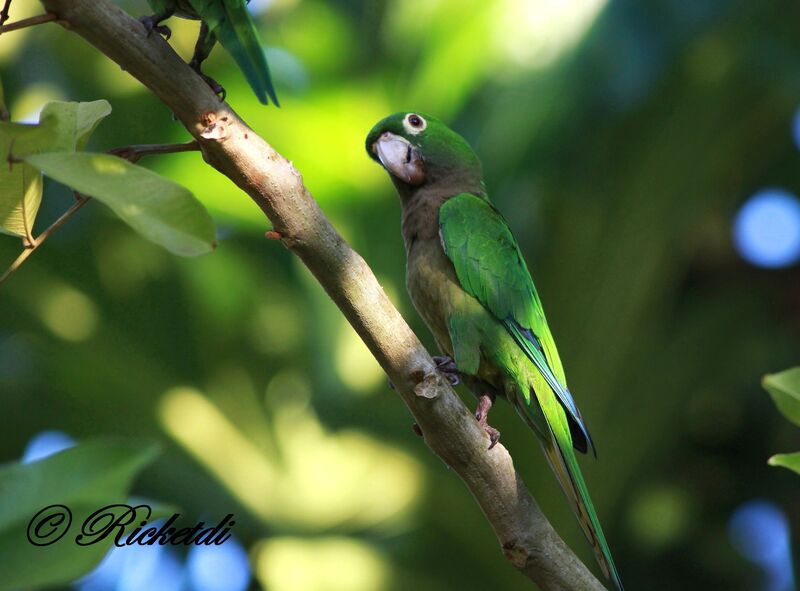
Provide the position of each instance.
(490, 267)
(230, 23)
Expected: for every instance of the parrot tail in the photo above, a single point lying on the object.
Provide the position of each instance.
(565, 466)
(239, 37)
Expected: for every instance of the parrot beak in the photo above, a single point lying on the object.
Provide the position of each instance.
(400, 158)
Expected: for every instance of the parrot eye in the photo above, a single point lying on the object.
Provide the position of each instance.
(414, 123)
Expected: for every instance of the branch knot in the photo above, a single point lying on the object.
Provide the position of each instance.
(213, 128)
(427, 383)
(516, 555)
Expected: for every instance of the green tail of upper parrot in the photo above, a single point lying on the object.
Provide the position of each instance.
(469, 282)
(229, 23)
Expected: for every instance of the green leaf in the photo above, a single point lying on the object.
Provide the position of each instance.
(84, 479)
(791, 461)
(784, 387)
(62, 127)
(20, 183)
(20, 198)
(72, 123)
(160, 210)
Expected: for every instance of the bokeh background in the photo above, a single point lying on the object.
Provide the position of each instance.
(647, 155)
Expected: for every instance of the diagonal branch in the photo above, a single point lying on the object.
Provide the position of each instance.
(526, 537)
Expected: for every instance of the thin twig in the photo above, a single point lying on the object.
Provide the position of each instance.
(130, 153)
(4, 12)
(134, 153)
(80, 201)
(28, 22)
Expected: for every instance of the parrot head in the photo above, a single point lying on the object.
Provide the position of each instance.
(418, 150)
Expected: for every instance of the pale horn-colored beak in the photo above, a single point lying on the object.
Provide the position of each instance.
(400, 158)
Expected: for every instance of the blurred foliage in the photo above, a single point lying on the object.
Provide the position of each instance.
(784, 388)
(618, 138)
(43, 499)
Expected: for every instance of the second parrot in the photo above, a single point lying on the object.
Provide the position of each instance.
(228, 22)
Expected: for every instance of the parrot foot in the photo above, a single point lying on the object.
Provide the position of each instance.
(213, 84)
(485, 403)
(444, 364)
(447, 366)
(151, 24)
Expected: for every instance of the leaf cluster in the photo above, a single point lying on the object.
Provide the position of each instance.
(159, 209)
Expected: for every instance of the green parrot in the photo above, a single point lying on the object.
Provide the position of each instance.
(228, 22)
(469, 282)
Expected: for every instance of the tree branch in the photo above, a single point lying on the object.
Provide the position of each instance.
(526, 537)
(33, 244)
(28, 22)
(137, 152)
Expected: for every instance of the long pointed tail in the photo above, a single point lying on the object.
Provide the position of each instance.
(238, 36)
(565, 466)
(545, 415)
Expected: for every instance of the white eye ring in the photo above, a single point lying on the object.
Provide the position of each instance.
(419, 123)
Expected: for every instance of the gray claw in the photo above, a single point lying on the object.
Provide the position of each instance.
(447, 366)
(150, 24)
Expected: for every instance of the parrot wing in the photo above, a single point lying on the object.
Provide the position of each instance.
(490, 267)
